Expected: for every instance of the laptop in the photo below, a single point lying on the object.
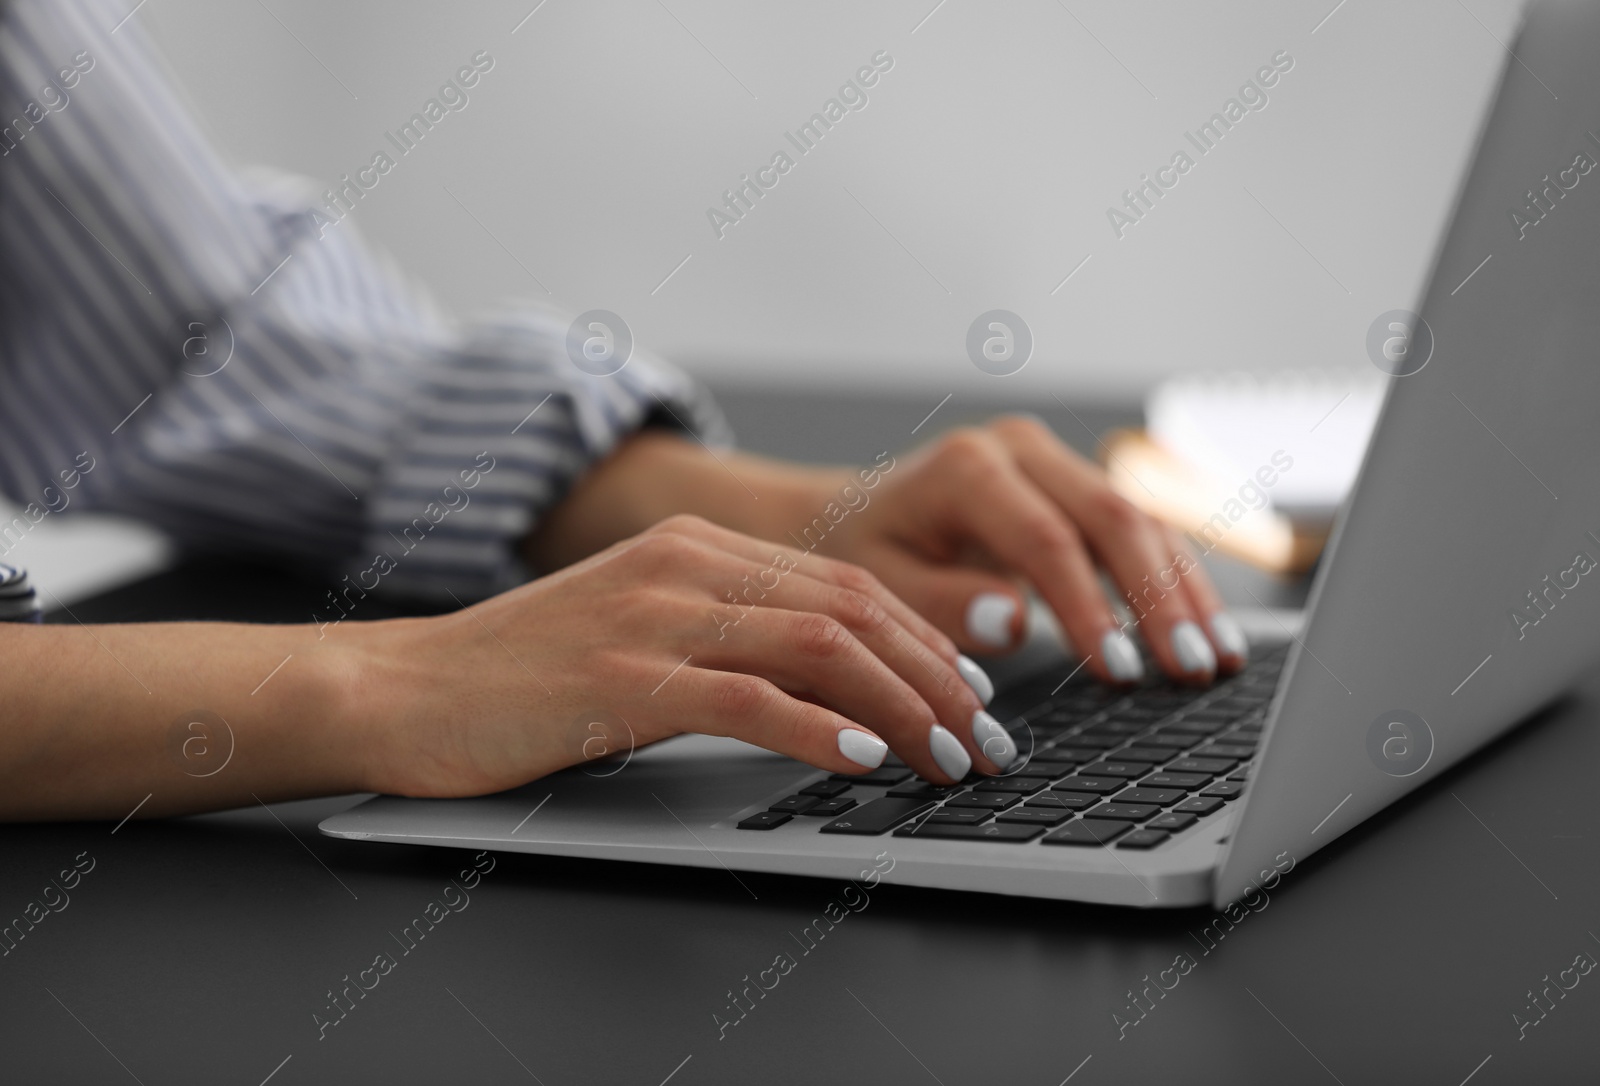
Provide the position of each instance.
(1459, 593)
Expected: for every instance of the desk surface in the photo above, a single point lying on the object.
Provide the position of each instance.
(199, 949)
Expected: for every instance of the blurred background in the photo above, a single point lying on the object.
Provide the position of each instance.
(979, 175)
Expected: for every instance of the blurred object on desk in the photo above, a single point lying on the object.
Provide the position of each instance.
(72, 556)
(1213, 515)
(1253, 466)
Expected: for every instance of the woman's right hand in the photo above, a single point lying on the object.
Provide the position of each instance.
(685, 627)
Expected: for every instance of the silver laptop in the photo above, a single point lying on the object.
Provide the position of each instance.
(1459, 593)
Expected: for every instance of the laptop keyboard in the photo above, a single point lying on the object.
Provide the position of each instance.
(1109, 768)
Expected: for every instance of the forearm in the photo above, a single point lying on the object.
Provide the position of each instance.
(97, 718)
(656, 474)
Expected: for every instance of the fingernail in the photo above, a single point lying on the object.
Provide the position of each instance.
(1192, 649)
(992, 738)
(976, 678)
(948, 752)
(1227, 632)
(1121, 657)
(862, 748)
(989, 619)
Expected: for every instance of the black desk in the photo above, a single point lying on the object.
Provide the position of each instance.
(198, 950)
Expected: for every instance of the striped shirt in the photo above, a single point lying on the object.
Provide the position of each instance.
(246, 377)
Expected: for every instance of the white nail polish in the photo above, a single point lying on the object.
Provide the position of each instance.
(1227, 632)
(948, 752)
(992, 738)
(1121, 657)
(989, 619)
(1192, 649)
(861, 748)
(976, 678)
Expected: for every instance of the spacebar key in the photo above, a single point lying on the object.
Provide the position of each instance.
(878, 816)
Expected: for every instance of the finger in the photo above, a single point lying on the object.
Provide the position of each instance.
(983, 612)
(937, 682)
(1129, 544)
(779, 559)
(814, 654)
(1031, 535)
(751, 708)
(1227, 636)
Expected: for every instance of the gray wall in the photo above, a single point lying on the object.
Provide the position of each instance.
(978, 176)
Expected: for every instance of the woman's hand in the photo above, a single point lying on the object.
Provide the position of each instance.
(682, 627)
(686, 627)
(957, 528)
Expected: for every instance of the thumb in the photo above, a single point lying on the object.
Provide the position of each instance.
(980, 612)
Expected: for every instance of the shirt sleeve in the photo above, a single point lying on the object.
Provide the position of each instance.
(237, 366)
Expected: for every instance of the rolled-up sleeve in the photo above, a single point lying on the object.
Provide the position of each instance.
(247, 375)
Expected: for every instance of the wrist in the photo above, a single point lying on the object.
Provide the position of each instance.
(367, 694)
(656, 474)
(790, 496)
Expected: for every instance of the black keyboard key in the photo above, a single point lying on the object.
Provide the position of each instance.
(1172, 823)
(1223, 750)
(1051, 723)
(1149, 755)
(1225, 790)
(1161, 797)
(830, 807)
(1096, 785)
(1145, 838)
(884, 774)
(1065, 708)
(826, 789)
(1098, 742)
(1034, 816)
(1116, 769)
(1022, 786)
(1088, 698)
(1065, 759)
(987, 801)
(877, 816)
(1114, 728)
(1187, 781)
(1241, 774)
(1088, 832)
(1040, 774)
(795, 804)
(1007, 832)
(1201, 765)
(1043, 771)
(956, 816)
(1156, 700)
(1199, 729)
(1133, 812)
(920, 789)
(766, 820)
(1076, 754)
(1141, 713)
(1061, 801)
(891, 761)
(1171, 742)
(1198, 805)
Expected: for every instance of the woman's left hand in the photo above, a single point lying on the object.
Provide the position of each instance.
(961, 526)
